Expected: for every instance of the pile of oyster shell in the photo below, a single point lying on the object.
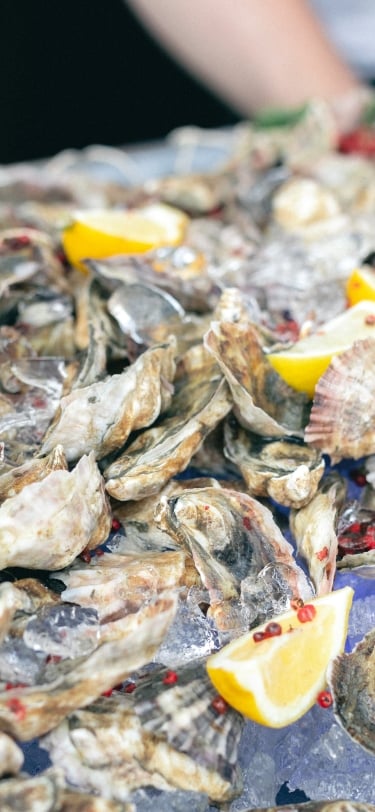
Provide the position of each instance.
(115, 382)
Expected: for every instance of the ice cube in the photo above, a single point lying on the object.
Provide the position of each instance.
(63, 630)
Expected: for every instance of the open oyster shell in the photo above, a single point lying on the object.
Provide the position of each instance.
(342, 419)
(352, 681)
(232, 539)
(100, 417)
(263, 402)
(200, 401)
(285, 468)
(27, 712)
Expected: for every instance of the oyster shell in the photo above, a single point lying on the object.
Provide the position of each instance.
(263, 403)
(232, 539)
(11, 757)
(165, 735)
(286, 469)
(200, 401)
(116, 585)
(100, 417)
(313, 527)
(34, 470)
(50, 522)
(352, 681)
(27, 712)
(342, 419)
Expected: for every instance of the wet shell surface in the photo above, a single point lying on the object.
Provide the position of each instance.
(352, 681)
(286, 468)
(342, 419)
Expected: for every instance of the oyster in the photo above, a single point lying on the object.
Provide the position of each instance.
(27, 712)
(50, 522)
(263, 403)
(313, 527)
(116, 585)
(166, 734)
(232, 539)
(100, 417)
(34, 470)
(352, 680)
(11, 757)
(286, 469)
(342, 419)
(200, 401)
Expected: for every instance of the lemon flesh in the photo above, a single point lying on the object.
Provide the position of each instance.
(104, 233)
(361, 285)
(276, 681)
(304, 363)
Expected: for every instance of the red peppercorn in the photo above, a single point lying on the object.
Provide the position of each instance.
(15, 243)
(322, 554)
(17, 708)
(324, 699)
(246, 522)
(359, 142)
(370, 319)
(130, 687)
(219, 704)
(116, 524)
(99, 552)
(53, 658)
(86, 556)
(108, 693)
(273, 629)
(358, 477)
(306, 613)
(170, 678)
(258, 637)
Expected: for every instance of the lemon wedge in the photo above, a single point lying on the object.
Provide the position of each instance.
(361, 285)
(304, 363)
(276, 680)
(95, 234)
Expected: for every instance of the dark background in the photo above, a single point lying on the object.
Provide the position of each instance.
(79, 72)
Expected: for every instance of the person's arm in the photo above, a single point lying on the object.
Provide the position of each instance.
(253, 53)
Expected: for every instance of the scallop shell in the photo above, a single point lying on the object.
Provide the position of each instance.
(342, 419)
(352, 680)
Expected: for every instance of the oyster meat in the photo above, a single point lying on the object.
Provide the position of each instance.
(100, 417)
(285, 468)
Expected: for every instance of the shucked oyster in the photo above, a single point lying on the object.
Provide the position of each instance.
(342, 420)
(232, 539)
(264, 403)
(201, 400)
(352, 681)
(170, 734)
(50, 522)
(285, 468)
(100, 417)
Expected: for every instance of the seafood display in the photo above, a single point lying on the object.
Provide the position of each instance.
(163, 489)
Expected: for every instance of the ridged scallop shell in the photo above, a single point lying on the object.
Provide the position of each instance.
(342, 420)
